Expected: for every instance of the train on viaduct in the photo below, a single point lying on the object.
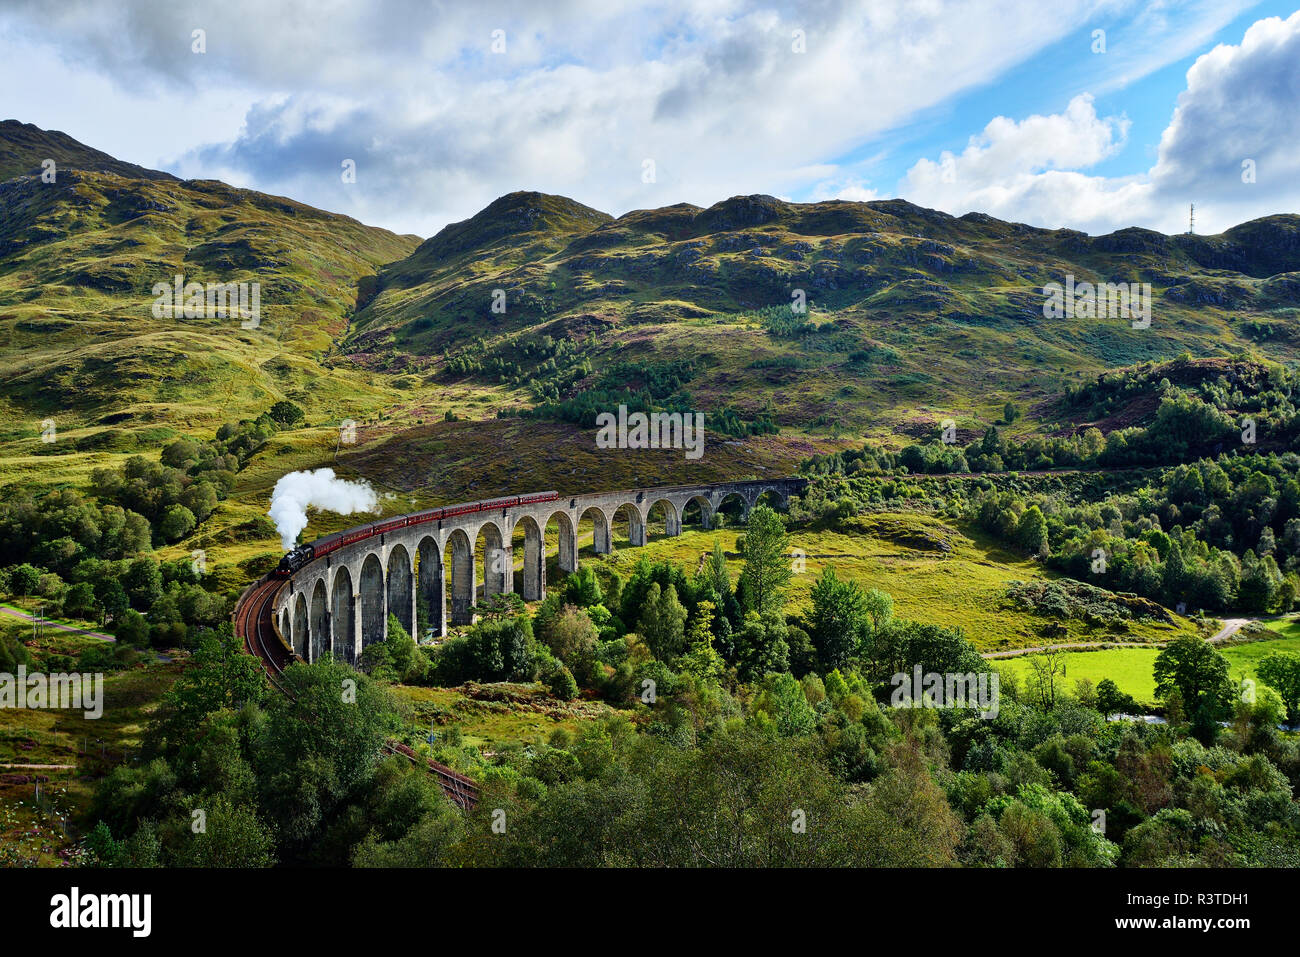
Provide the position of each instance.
(334, 596)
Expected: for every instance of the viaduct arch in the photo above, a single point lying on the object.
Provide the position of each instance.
(339, 604)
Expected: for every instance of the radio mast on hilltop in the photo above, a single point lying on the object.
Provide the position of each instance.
(1191, 220)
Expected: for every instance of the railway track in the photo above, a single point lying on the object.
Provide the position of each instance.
(254, 623)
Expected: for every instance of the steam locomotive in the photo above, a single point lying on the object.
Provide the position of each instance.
(297, 557)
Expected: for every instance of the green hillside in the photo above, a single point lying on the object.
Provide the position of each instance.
(913, 315)
(24, 148)
(79, 340)
(1096, 492)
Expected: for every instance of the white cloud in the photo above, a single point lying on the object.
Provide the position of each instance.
(850, 189)
(1159, 34)
(1007, 149)
(1240, 104)
(712, 90)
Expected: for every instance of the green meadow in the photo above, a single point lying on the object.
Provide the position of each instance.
(490, 717)
(1131, 668)
(935, 572)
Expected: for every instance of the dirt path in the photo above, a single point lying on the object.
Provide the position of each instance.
(1074, 646)
(1230, 627)
(46, 623)
(38, 767)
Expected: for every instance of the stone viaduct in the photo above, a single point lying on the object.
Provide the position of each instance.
(339, 604)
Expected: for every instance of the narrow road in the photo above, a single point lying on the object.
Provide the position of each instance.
(46, 623)
(1230, 627)
(39, 767)
(1040, 649)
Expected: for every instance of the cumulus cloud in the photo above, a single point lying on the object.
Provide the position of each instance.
(716, 92)
(724, 96)
(1241, 103)
(848, 188)
(1011, 166)
(1236, 115)
(1075, 138)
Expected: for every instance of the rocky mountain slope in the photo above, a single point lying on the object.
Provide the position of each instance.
(540, 306)
(909, 309)
(80, 341)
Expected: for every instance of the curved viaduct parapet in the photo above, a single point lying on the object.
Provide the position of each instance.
(343, 599)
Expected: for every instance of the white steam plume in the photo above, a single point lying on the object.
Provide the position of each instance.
(318, 488)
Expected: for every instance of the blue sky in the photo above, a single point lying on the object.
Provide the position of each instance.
(999, 106)
(1039, 86)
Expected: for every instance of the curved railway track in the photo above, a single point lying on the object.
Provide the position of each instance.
(254, 623)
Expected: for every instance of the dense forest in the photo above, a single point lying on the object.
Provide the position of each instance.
(1192, 408)
(1217, 534)
(741, 728)
(744, 735)
(1199, 508)
(91, 556)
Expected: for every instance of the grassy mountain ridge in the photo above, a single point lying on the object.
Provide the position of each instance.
(912, 311)
(913, 316)
(533, 220)
(24, 147)
(79, 342)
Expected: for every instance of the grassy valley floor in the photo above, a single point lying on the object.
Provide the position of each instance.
(935, 573)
